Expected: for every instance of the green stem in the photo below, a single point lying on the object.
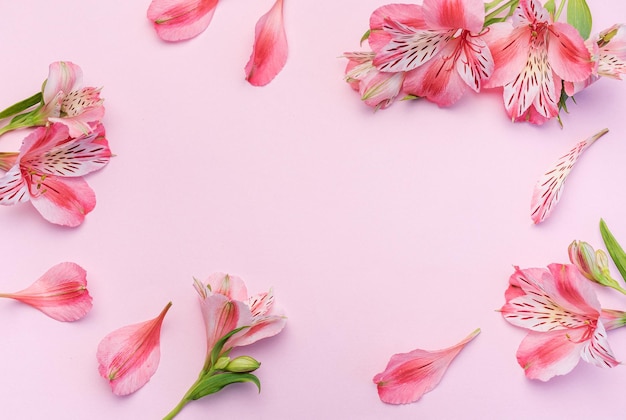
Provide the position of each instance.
(21, 106)
(558, 12)
(492, 17)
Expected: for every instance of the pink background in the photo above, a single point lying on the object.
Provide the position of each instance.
(379, 232)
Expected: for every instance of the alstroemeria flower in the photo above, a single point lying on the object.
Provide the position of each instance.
(61, 293)
(531, 58)
(269, 52)
(439, 45)
(129, 356)
(608, 52)
(377, 89)
(178, 20)
(563, 314)
(48, 171)
(67, 102)
(547, 191)
(408, 376)
(226, 306)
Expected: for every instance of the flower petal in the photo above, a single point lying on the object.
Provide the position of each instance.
(129, 356)
(598, 351)
(63, 76)
(410, 15)
(547, 191)
(178, 20)
(409, 47)
(13, 188)
(544, 355)
(55, 152)
(567, 53)
(269, 53)
(408, 376)
(61, 293)
(455, 14)
(62, 201)
(267, 320)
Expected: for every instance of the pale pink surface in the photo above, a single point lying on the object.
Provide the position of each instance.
(379, 232)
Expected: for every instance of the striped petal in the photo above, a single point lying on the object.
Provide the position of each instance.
(548, 189)
(13, 188)
(269, 53)
(409, 47)
(63, 201)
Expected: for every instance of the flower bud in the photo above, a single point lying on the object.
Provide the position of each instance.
(243, 364)
(594, 265)
(221, 363)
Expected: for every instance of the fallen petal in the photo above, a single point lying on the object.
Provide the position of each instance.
(548, 189)
(269, 53)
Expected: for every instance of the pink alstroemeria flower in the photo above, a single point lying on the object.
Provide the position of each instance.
(564, 317)
(547, 191)
(61, 293)
(438, 45)
(67, 102)
(129, 356)
(608, 52)
(269, 52)
(408, 376)
(226, 306)
(531, 58)
(377, 89)
(178, 20)
(48, 171)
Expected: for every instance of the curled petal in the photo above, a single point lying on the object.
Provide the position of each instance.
(178, 20)
(63, 76)
(129, 356)
(408, 376)
(61, 293)
(269, 53)
(547, 191)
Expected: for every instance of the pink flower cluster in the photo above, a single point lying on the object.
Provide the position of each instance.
(441, 48)
(179, 20)
(68, 143)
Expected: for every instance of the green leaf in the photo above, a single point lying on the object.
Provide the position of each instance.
(217, 348)
(615, 250)
(579, 16)
(550, 7)
(215, 383)
(21, 106)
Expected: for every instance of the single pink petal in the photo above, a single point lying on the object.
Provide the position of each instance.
(178, 20)
(547, 191)
(567, 53)
(63, 76)
(63, 201)
(408, 376)
(129, 356)
(544, 355)
(475, 63)
(572, 291)
(455, 14)
(269, 53)
(61, 293)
